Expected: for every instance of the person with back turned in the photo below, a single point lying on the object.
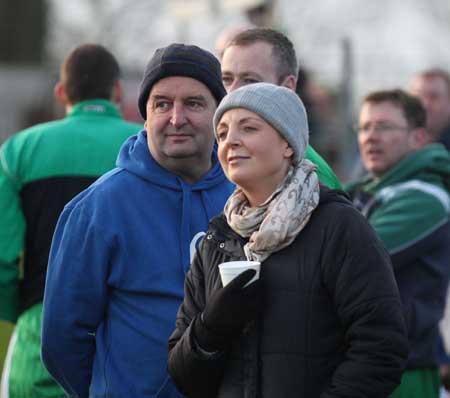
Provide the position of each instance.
(41, 169)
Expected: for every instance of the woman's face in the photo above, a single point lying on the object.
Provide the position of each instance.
(252, 153)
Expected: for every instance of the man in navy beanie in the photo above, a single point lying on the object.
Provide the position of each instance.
(123, 246)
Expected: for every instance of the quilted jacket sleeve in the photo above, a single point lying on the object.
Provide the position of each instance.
(194, 373)
(366, 298)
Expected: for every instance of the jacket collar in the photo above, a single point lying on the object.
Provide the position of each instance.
(433, 159)
(95, 107)
(224, 238)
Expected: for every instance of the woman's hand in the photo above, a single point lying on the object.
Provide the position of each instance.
(227, 312)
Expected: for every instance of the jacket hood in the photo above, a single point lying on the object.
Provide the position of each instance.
(431, 164)
(135, 157)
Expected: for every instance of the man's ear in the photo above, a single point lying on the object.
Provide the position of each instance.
(420, 137)
(60, 94)
(290, 82)
(117, 92)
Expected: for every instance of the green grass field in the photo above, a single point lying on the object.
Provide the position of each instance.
(6, 329)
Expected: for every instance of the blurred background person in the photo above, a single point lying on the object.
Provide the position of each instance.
(41, 169)
(432, 86)
(326, 126)
(406, 199)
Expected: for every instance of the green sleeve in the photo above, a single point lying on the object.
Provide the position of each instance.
(408, 218)
(12, 230)
(324, 172)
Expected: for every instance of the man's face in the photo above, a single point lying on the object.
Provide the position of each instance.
(179, 123)
(253, 63)
(384, 136)
(435, 96)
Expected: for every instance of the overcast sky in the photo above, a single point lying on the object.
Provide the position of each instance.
(390, 39)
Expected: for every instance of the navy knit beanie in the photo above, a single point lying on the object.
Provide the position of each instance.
(181, 60)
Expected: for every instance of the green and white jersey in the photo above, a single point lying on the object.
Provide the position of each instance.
(410, 201)
(409, 208)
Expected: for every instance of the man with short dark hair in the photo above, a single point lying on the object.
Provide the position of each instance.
(266, 55)
(122, 248)
(227, 35)
(41, 169)
(406, 200)
(432, 86)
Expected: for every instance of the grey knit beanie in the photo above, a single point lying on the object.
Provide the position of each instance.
(278, 106)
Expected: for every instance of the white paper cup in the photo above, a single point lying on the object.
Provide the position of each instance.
(231, 269)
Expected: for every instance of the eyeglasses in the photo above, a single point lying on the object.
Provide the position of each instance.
(382, 128)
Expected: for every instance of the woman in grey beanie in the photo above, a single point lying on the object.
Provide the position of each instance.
(324, 318)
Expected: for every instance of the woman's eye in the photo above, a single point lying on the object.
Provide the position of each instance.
(221, 135)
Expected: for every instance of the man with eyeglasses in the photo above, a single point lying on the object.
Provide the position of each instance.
(406, 200)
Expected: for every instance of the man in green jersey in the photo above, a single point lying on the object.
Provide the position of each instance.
(405, 198)
(41, 169)
(266, 55)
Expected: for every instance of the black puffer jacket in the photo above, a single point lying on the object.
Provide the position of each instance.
(332, 324)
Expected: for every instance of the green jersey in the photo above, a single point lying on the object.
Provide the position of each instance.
(41, 169)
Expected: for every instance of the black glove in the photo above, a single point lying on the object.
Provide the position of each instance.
(445, 376)
(227, 312)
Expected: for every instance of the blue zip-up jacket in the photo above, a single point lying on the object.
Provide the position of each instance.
(115, 278)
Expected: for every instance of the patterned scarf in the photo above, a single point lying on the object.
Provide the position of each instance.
(275, 223)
